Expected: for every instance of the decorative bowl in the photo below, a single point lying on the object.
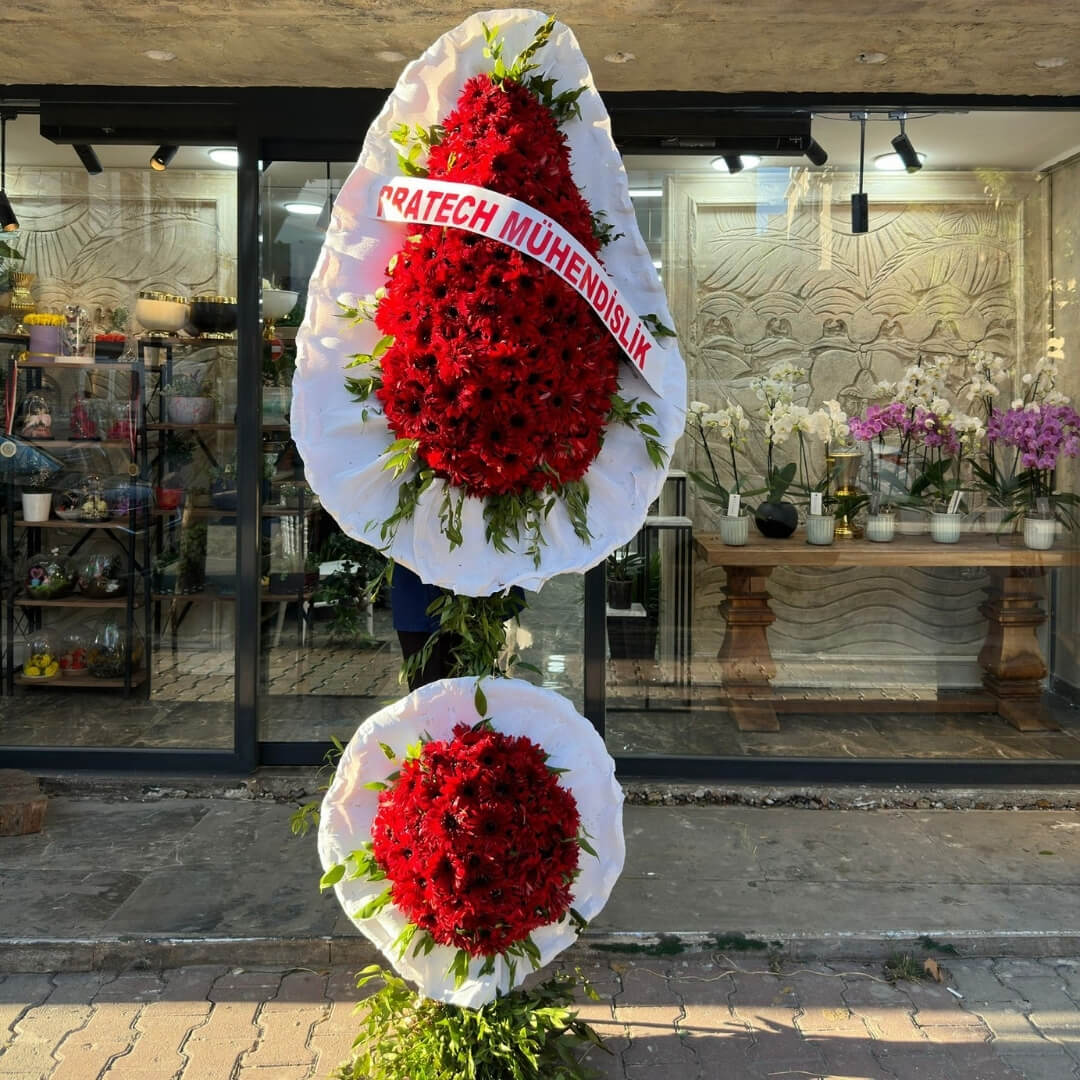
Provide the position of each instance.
(213, 314)
(162, 313)
(277, 303)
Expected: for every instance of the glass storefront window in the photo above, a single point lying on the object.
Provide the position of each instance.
(117, 340)
(962, 292)
(329, 656)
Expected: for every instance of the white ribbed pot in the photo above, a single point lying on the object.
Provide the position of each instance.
(1039, 533)
(36, 505)
(734, 531)
(881, 528)
(946, 528)
(820, 528)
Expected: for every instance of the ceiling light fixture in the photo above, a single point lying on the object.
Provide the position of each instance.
(893, 162)
(724, 162)
(304, 209)
(860, 212)
(646, 193)
(816, 152)
(1046, 62)
(161, 55)
(228, 156)
(902, 145)
(620, 57)
(8, 221)
(89, 158)
(390, 56)
(871, 57)
(163, 155)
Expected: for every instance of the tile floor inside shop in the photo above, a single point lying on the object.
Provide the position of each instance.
(313, 689)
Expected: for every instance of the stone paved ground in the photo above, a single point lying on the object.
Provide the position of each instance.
(676, 1018)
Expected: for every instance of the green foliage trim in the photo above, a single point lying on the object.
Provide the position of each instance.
(604, 231)
(306, 816)
(635, 414)
(524, 1035)
(478, 626)
(656, 327)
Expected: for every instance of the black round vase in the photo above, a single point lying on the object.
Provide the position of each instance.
(776, 520)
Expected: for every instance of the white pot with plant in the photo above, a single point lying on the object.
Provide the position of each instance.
(37, 495)
(190, 400)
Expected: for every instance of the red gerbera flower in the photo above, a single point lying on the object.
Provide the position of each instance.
(499, 369)
(478, 840)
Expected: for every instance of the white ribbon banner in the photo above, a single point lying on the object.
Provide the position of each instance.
(423, 201)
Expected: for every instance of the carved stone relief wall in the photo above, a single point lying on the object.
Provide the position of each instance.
(765, 269)
(98, 240)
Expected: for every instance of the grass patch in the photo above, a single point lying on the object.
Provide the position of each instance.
(740, 943)
(930, 945)
(903, 967)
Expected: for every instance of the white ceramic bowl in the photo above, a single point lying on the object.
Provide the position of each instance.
(161, 316)
(277, 303)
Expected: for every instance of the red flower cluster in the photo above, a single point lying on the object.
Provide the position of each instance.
(478, 840)
(500, 370)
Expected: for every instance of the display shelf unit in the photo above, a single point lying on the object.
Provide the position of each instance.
(86, 682)
(130, 532)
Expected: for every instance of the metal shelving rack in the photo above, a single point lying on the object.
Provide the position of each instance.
(126, 532)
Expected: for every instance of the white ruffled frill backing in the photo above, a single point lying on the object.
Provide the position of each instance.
(341, 448)
(515, 708)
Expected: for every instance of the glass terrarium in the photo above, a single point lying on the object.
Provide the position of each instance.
(123, 494)
(42, 658)
(49, 576)
(108, 654)
(93, 506)
(75, 651)
(103, 575)
(85, 417)
(37, 417)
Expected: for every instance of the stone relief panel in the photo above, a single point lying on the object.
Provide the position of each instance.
(758, 277)
(98, 240)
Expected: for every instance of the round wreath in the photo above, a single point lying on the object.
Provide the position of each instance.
(488, 406)
(470, 832)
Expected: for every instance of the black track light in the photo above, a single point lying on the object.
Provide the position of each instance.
(734, 163)
(162, 156)
(8, 221)
(89, 158)
(816, 153)
(904, 150)
(860, 211)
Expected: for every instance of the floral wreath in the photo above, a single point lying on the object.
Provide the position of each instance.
(471, 831)
(486, 407)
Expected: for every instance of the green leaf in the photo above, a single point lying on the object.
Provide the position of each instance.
(587, 847)
(332, 876)
(479, 700)
(374, 906)
(375, 785)
(388, 751)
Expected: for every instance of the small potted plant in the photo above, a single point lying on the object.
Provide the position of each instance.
(111, 338)
(223, 487)
(622, 570)
(37, 494)
(190, 400)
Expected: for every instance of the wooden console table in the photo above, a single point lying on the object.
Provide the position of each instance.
(1012, 661)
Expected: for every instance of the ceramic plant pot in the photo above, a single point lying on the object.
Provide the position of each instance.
(1039, 533)
(820, 529)
(735, 530)
(776, 520)
(881, 528)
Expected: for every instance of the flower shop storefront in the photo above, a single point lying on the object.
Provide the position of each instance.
(893, 595)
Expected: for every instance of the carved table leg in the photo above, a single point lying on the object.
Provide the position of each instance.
(746, 664)
(1011, 657)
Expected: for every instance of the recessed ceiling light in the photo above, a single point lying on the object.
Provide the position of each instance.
(646, 193)
(749, 161)
(228, 156)
(1051, 61)
(159, 54)
(872, 57)
(305, 209)
(620, 57)
(893, 162)
(390, 56)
